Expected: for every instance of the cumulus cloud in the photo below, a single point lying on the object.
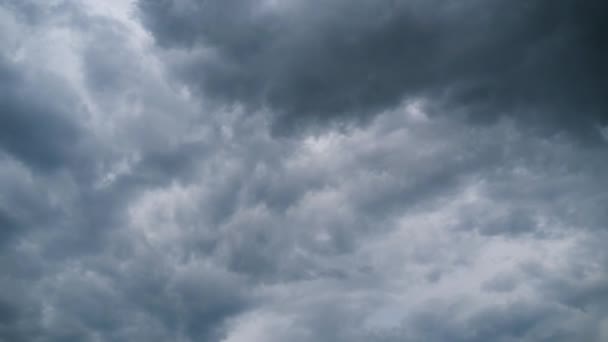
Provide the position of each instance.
(302, 171)
(324, 61)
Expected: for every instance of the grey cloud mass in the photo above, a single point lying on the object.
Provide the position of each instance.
(240, 171)
(539, 60)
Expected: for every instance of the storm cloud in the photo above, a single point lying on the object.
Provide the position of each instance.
(541, 60)
(303, 170)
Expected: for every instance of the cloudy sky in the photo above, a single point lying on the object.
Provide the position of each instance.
(303, 170)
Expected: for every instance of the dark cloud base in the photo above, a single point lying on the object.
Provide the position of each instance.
(541, 61)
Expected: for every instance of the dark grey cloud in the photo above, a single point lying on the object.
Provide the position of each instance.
(44, 144)
(312, 61)
(135, 206)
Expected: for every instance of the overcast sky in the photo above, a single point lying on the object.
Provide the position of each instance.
(303, 170)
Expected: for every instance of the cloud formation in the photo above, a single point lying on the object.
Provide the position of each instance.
(317, 60)
(302, 171)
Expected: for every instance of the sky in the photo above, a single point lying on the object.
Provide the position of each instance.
(303, 170)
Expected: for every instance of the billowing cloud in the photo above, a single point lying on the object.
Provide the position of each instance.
(320, 60)
(145, 194)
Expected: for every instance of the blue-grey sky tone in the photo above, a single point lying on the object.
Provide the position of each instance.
(303, 170)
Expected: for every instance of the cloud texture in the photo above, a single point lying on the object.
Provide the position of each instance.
(313, 60)
(303, 170)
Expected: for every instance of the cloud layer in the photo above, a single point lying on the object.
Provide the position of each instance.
(303, 171)
(317, 60)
